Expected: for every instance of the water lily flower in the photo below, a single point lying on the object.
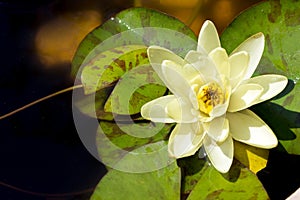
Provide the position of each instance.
(211, 92)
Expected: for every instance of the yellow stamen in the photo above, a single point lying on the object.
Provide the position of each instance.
(209, 96)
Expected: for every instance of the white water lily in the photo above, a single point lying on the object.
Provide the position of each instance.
(211, 94)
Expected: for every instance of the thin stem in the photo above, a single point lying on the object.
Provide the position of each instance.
(86, 191)
(40, 100)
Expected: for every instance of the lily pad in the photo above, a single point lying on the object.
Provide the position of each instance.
(128, 68)
(160, 184)
(107, 67)
(279, 21)
(238, 183)
(116, 141)
(137, 87)
(93, 104)
(139, 168)
(135, 26)
(117, 47)
(202, 181)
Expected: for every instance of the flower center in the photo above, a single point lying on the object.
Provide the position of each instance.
(209, 96)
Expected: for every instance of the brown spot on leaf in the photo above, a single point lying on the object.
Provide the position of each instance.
(96, 67)
(121, 64)
(144, 55)
(130, 65)
(292, 17)
(214, 194)
(288, 100)
(106, 66)
(117, 51)
(284, 62)
(145, 18)
(269, 44)
(275, 10)
(137, 62)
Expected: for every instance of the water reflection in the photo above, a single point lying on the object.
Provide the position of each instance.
(57, 40)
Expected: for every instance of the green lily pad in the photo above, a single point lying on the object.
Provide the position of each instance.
(160, 184)
(279, 21)
(139, 166)
(107, 67)
(238, 183)
(93, 104)
(135, 26)
(128, 69)
(202, 181)
(114, 141)
(118, 46)
(136, 88)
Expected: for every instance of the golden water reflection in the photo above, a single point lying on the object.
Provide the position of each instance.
(194, 12)
(57, 39)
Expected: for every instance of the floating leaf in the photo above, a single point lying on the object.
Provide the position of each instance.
(135, 26)
(107, 67)
(160, 184)
(117, 47)
(279, 21)
(136, 88)
(93, 104)
(204, 182)
(140, 166)
(114, 141)
(138, 85)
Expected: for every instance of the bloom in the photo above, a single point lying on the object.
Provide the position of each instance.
(211, 94)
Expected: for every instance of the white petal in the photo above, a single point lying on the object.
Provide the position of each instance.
(295, 195)
(220, 155)
(208, 37)
(155, 110)
(217, 129)
(204, 66)
(220, 58)
(185, 140)
(181, 112)
(254, 46)
(272, 84)
(178, 84)
(244, 96)
(247, 127)
(158, 54)
(238, 65)
(219, 110)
